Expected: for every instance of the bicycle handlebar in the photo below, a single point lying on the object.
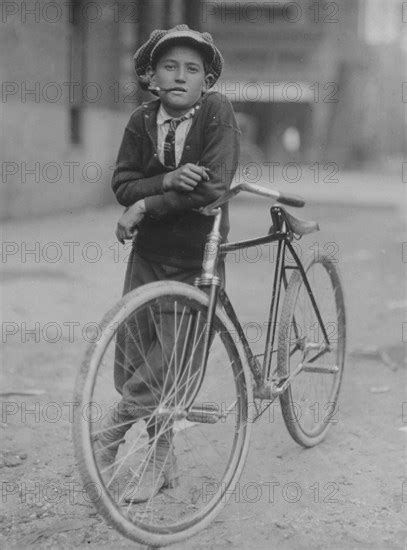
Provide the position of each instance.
(284, 198)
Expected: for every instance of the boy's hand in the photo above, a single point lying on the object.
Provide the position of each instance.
(185, 178)
(127, 224)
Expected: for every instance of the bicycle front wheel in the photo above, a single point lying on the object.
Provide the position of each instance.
(198, 401)
(312, 343)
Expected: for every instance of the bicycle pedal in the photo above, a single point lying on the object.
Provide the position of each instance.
(207, 413)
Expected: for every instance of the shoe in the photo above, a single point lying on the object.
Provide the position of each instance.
(159, 473)
(106, 443)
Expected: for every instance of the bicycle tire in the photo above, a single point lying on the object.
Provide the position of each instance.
(309, 404)
(152, 532)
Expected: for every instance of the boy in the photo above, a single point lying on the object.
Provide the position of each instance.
(178, 154)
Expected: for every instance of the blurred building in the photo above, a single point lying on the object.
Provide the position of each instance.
(331, 71)
(312, 81)
(68, 88)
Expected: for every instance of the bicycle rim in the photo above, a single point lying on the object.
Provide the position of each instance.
(309, 405)
(204, 410)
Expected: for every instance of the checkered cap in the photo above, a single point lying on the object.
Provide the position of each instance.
(162, 39)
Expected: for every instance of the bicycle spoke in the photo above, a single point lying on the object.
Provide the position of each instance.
(207, 452)
(306, 346)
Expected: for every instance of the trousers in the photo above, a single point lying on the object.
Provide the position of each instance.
(144, 366)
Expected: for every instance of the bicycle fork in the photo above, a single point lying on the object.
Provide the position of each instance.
(209, 278)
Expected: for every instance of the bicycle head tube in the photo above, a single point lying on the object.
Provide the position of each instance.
(211, 254)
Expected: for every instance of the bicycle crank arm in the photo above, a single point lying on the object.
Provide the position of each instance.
(328, 369)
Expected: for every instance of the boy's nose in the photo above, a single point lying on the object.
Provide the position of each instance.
(180, 76)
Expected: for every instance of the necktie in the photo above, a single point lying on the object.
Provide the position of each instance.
(169, 144)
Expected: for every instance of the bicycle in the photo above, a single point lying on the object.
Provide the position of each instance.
(213, 378)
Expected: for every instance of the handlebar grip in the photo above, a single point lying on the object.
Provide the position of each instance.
(290, 200)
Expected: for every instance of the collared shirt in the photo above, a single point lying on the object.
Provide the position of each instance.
(180, 133)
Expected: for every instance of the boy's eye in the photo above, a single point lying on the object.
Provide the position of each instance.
(169, 66)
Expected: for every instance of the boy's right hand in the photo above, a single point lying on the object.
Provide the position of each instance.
(185, 178)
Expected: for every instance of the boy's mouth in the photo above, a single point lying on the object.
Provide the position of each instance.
(176, 89)
(166, 90)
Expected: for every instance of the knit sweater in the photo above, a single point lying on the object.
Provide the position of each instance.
(173, 232)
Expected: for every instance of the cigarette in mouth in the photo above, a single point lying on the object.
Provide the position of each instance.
(158, 89)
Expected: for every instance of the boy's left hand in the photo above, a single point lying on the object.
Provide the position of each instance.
(131, 217)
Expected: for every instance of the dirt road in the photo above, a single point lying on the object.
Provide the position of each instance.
(60, 275)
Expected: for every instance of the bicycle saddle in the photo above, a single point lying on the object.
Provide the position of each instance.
(300, 227)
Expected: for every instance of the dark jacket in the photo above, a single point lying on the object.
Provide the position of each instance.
(173, 232)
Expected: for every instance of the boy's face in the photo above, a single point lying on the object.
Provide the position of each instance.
(181, 68)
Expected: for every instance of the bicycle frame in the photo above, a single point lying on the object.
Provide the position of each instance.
(267, 386)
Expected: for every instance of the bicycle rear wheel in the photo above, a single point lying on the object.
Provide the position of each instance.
(204, 404)
(309, 405)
